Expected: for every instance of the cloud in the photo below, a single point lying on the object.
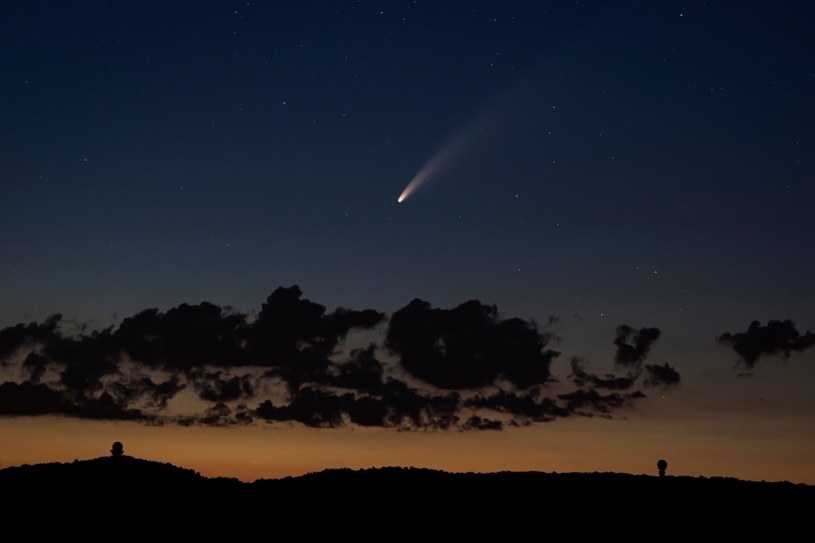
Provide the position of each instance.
(28, 399)
(465, 368)
(399, 406)
(468, 346)
(588, 402)
(132, 389)
(81, 361)
(361, 372)
(582, 378)
(409, 409)
(219, 414)
(102, 372)
(368, 411)
(35, 364)
(477, 423)
(17, 337)
(663, 375)
(183, 338)
(776, 338)
(292, 336)
(215, 386)
(633, 345)
(105, 406)
(533, 406)
(84, 360)
(310, 406)
(528, 406)
(297, 337)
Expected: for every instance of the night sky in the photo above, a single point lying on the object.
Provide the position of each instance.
(608, 195)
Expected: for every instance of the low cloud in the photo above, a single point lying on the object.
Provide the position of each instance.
(583, 378)
(469, 346)
(776, 338)
(589, 402)
(524, 407)
(465, 368)
(132, 389)
(216, 386)
(477, 423)
(31, 399)
(634, 345)
(664, 375)
(363, 372)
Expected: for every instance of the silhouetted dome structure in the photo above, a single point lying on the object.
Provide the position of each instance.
(662, 465)
(118, 449)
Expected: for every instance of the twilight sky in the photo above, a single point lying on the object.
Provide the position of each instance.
(608, 195)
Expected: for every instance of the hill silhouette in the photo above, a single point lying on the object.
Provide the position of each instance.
(467, 502)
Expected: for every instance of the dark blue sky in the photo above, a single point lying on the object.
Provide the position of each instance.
(639, 158)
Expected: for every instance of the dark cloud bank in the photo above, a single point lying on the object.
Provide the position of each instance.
(465, 368)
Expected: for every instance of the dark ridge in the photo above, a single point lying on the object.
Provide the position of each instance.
(112, 485)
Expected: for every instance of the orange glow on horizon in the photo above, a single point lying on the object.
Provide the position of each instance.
(249, 453)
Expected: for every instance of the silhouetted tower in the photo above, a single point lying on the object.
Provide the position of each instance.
(118, 449)
(662, 465)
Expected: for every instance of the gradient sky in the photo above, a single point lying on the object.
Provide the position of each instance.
(647, 164)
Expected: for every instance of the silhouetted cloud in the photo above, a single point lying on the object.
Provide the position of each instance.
(399, 406)
(105, 406)
(663, 375)
(293, 336)
(633, 345)
(219, 414)
(464, 368)
(775, 338)
(183, 338)
(29, 398)
(408, 408)
(468, 346)
(582, 378)
(16, 337)
(310, 406)
(533, 406)
(362, 372)
(477, 423)
(297, 337)
(589, 402)
(140, 388)
(215, 386)
(529, 405)
(35, 364)
(368, 411)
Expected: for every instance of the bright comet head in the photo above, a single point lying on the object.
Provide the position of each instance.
(405, 194)
(409, 188)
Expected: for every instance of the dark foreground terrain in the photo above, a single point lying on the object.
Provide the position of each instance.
(390, 502)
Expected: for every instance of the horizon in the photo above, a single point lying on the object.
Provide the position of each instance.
(260, 240)
(123, 453)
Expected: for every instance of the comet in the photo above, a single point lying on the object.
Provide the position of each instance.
(440, 161)
(516, 105)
